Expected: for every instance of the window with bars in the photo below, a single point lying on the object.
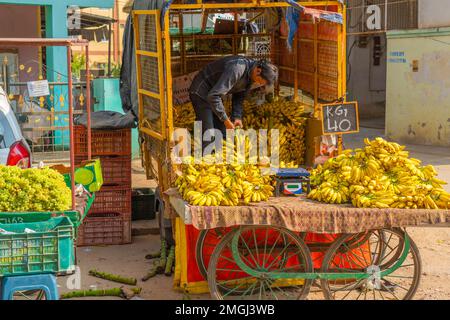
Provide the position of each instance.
(379, 16)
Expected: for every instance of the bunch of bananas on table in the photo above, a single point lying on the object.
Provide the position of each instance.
(380, 175)
(286, 116)
(220, 184)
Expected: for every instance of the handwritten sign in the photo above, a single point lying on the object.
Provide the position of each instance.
(38, 88)
(340, 118)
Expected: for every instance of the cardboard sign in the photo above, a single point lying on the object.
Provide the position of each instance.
(340, 118)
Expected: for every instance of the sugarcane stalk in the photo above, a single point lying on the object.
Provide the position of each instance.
(113, 277)
(115, 292)
(136, 290)
(153, 255)
(129, 293)
(152, 273)
(163, 259)
(170, 261)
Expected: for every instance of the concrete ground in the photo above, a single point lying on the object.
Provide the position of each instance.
(128, 260)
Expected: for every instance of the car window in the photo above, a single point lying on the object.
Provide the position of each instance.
(5, 132)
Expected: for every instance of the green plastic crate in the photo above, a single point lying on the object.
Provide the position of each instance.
(49, 250)
(29, 217)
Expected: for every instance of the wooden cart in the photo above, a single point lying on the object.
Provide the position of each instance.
(266, 251)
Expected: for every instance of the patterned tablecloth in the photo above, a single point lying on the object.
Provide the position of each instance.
(303, 215)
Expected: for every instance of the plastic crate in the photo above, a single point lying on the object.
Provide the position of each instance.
(112, 199)
(48, 248)
(104, 142)
(109, 229)
(116, 171)
(76, 217)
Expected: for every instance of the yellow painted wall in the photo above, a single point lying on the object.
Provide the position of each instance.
(418, 103)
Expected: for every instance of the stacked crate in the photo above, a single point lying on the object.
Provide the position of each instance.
(109, 220)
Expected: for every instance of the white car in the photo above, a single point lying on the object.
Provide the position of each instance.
(14, 150)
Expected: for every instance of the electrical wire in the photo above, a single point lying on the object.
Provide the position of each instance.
(348, 61)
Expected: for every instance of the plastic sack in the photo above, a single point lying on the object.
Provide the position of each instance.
(108, 120)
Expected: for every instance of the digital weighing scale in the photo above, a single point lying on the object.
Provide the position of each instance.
(292, 182)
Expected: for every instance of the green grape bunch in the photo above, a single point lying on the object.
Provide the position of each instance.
(33, 190)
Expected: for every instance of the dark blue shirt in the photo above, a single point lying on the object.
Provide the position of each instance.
(230, 75)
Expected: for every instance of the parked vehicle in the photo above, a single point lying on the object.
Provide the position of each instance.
(14, 150)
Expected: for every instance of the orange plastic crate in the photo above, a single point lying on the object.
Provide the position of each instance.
(110, 229)
(104, 142)
(112, 199)
(116, 171)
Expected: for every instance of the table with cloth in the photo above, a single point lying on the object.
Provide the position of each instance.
(322, 222)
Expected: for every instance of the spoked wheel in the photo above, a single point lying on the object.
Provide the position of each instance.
(380, 272)
(374, 239)
(270, 263)
(358, 244)
(206, 243)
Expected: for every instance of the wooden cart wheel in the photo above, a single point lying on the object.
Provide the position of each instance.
(373, 239)
(206, 243)
(262, 249)
(395, 280)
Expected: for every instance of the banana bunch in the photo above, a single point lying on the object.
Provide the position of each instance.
(292, 111)
(241, 150)
(211, 184)
(288, 165)
(256, 187)
(389, 154)
(184, 116)
(286, 116)
(422, 196)
(378, 199)
(397, 177)
(256, 193)
(331, 192)
(208, 185)
(381, 175)
(232, 196)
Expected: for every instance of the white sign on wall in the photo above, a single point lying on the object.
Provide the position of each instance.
(38, 88)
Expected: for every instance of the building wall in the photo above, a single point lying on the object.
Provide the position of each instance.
(418, 103)
(434, 13)
(18, 21)
(366, 82)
